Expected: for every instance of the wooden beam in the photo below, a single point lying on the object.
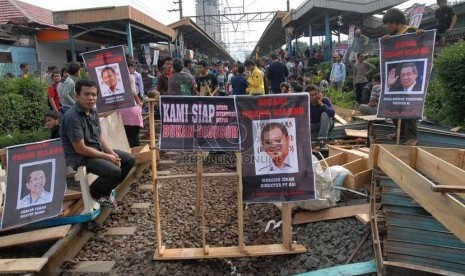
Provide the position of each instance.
(341, 120)
(22, 265)
(445, 208)
(171, 254)
(36, 236)
(356, 133)
(439, 170)
(331, 213)
(448, 188)
(72, 194)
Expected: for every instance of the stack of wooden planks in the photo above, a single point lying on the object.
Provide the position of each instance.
(419, 227)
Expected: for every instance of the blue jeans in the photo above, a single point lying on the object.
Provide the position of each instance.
(109, 174)
(323, 127)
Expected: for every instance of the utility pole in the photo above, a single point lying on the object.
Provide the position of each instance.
(287, 4)
(178, 9)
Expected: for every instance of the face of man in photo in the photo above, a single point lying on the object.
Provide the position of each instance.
(408, 77)
(276, 145)
(36, 183)
(110, 79)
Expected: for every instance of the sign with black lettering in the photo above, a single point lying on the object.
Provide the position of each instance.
(276, 146)
(198, 123)
(36, 183)
(406, 62)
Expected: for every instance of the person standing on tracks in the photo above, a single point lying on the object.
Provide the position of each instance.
(85, 145)
(277, 73)
(361, 70)
(162, 85)
(254, 79)
(396, 24)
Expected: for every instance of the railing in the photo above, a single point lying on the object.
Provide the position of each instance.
(35, 68)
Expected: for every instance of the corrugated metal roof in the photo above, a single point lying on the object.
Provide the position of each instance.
(358, 6)
(13, 10)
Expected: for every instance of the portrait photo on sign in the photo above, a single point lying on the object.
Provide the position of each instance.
(36, 183)
(405, 77)
(109, 79)
(275, 149)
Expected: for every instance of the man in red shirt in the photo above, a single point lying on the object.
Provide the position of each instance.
(52, 92)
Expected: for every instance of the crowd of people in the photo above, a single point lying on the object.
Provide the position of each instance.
(74, 118)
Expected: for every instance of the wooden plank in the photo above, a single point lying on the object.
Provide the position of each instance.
(341, 120)
(363, 218)
(448, 188)
(227, 252)
(362, 133)
(418, 268)
(356, 166)
(22, 265)
(451, 155)
(286, 226)
(240, 206)
(362, 179)
(36, 236)
(446, 209)
(439, 170)
(193, 175)
(401, 152)
(337, 159)
(142, 154)
(351, 153)
(72, 194)
(331, 213)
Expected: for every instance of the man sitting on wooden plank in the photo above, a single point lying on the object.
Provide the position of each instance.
(84, 145)
(321, 116)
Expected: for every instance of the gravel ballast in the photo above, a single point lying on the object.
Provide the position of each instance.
(328, 243)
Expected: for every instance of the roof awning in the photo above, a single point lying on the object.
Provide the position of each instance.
(110, 23)
(197, 39)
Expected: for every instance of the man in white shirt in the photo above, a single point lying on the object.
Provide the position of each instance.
(37, 195)
(110, 79)
(275, 141)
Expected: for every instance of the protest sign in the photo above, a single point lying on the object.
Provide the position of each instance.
(109, 69)
(406, 62)
(342, 49)
(36, 183)
(416, 15)
(276, 146)
(351, 36)
(198, 123)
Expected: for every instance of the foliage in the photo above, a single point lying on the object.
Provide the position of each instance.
(18, 137)
(23, 102)
(375, 62)
(339, 98)
(325, 67)
(450, 66)
(435, 109)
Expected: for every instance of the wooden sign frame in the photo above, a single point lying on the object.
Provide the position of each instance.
(207, 252)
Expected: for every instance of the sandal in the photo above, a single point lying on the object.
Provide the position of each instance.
(411, 142)
(392, 136)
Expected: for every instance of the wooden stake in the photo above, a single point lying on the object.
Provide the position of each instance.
(287, 226)
(399, 125)
(154, 154)
(201, 199)
(240, 207)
